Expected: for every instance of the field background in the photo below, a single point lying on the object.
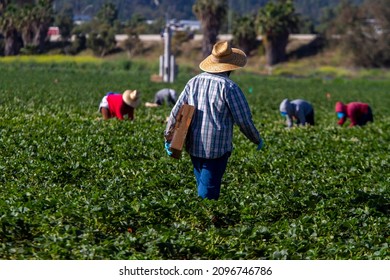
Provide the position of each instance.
(75, 187)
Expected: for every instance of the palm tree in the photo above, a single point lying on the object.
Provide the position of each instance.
(211, 14)
(244, 33)
(102, 41)
(275, 23)
(3, 5)
(26, 25)
(43, 18)
(8, 27)
(101, 38)
(108, 13)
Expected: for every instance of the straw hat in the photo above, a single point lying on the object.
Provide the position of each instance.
(132, 98)
(223, 58)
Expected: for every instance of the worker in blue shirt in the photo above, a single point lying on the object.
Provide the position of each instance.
(163, 96)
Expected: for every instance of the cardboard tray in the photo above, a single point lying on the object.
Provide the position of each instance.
(183, 122)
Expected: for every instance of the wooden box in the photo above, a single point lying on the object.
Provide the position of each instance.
(183, 121)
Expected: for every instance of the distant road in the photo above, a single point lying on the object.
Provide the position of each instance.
(157, 37)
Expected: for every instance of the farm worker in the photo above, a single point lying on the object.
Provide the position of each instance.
(359, 113)
(165, 95)
(116, 105)
(219, 104)
(299, 110)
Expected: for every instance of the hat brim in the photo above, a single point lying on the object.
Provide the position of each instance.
(237, 59)
(131, 102)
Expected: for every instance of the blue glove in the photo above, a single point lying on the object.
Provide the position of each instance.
(167, 146)
(261, 145)
(340, 115)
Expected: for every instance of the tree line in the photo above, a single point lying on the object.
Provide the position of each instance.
(182, 9)
(362, 30)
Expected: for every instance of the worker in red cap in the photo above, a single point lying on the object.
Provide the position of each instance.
(358, 112)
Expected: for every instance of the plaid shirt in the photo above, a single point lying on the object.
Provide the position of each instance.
(219, 103)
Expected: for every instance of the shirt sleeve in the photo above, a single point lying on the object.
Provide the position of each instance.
(242, 115)
(289, 121)
(342, 121)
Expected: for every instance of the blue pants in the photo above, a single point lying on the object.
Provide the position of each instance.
(208, 174)
(365, 118)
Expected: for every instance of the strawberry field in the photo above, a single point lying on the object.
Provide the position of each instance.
(75, 187)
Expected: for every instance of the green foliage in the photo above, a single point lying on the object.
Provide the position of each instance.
(178, 39)
(367, 26)
(103, 42)
(101, 39)
(276, 19)
(64, 21)
(320, 11)
(74, 187)
(108, 14)
(275, 22)
(8, 27)
(25, 24)
(244, 33)
(133, 45)
(79, 43)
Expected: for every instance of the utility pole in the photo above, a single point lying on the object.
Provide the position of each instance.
(168, 67)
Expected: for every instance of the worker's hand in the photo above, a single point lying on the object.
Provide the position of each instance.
(168, 147)
(261, 145)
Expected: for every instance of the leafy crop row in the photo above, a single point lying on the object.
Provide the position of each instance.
(74, 187)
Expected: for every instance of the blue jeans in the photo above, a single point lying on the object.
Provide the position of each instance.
(208, 174)
(365, 118)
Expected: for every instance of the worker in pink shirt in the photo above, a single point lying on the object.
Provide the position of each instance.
(116, 105)
(358, 112)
